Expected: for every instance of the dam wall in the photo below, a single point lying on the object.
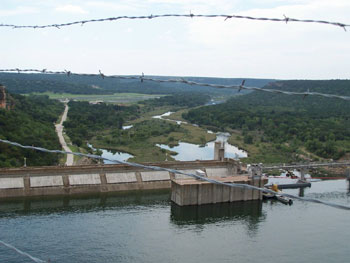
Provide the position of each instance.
(70, 180)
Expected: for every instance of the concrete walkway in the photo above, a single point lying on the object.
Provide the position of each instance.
(59, 130)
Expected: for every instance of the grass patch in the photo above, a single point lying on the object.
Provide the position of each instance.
(111, 98)
(141, 140)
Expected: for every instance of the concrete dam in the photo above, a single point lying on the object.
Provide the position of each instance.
(92, 179)
(67, 180)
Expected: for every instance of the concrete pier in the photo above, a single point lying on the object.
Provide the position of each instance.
(219, 151)
(194, 192)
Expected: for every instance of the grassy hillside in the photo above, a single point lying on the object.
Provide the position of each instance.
(29, 122)
(281, 128)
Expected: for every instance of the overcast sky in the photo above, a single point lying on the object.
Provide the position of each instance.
(179, 46)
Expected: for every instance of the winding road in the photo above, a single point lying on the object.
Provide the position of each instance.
(59, 130)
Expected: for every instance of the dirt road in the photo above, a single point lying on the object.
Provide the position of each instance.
(59, 130)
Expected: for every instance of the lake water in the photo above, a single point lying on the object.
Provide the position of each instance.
(113, 155)
(147, 227)
(185, 151)
(167, 114)
(190, 152)
(127, 127)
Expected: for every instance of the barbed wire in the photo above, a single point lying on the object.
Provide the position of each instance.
(179, 80)
(37, 260)
(157, 168)
(306, 165)
(225, 17)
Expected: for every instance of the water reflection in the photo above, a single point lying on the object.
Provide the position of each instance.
(248, 212)
(167, 114)
(127, 127)
(190, 152)
(83, 203)
(112, 155)
(115, 155)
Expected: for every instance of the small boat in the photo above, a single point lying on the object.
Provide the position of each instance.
(282, 199)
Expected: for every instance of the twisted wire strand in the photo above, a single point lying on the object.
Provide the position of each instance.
(305, 165)
(179, 80)
(156, 168)
(224, 16)
(37, 260)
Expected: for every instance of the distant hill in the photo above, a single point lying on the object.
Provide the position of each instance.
(29, 121)
(321, 125)
(28, 83)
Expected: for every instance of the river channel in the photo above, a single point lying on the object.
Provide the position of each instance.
(190, 152)
(184, 151)
(147, 227)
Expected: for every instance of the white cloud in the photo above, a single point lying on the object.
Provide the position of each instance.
(74, 9)
(274, 49)
(198, 46)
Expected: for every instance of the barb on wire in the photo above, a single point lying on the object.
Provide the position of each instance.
(190, 15)
(37, 260)
(180, 80)
(156, 168)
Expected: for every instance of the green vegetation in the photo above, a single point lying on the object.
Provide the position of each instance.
(30, 121)
(282, 128)
(22, 84)
(179, 100)
(101, 125)
(84, 119)
(141, 139)
(110, 98)
(29, 83)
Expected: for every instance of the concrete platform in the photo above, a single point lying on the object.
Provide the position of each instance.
(195, 192)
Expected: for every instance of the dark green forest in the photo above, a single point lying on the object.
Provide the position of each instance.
(29, 122)
(28, 83)
(27, 86)
(140, 133)
(85, 119)
(287, 122)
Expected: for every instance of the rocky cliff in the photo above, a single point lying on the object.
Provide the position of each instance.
(2, 97)
(6, 101)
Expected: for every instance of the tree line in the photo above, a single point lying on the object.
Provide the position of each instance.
(29, 122)
(85, 119)
(321, 125)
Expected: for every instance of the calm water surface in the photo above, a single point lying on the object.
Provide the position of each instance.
(113, 155)
(190, 152)
(147, 227)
